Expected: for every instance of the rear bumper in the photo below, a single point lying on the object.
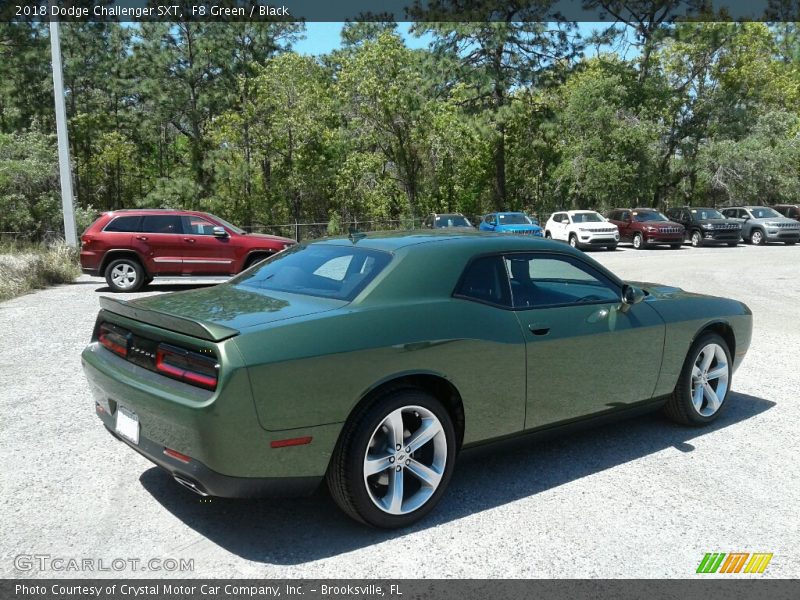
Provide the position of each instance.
(206, 482)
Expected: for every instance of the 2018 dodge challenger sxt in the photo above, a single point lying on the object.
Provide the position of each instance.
(371, 361)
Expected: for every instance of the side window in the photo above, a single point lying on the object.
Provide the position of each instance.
(197, 225)
(624, 215)
(124, 224)
(540, 281)
(161, 224)
(485, 279)
(489, 219)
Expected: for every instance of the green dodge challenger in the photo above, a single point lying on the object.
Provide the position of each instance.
(370, 361)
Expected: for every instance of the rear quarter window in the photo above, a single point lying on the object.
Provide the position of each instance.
(123, 224)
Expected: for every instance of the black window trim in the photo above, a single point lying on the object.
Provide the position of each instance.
(614, 283)
(117, 217)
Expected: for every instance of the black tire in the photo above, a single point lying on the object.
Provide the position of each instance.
(680, 407)
(124, 275)
(675, 246)
(547, 235)
(573, 240)
(253, 259)
(345, 476)
(148, 280)
(638, 241)
(696, 238)
(757, 237)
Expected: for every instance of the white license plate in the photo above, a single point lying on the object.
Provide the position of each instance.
(128, 425)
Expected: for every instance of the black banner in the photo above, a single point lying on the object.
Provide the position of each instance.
(403, 589)
(401, 10)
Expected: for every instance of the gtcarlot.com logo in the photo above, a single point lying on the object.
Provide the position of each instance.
(734, 562)
(48, 562)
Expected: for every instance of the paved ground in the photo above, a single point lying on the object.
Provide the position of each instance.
(640, 499)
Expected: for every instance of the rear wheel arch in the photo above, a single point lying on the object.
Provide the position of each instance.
(116, 254)
(438, 386)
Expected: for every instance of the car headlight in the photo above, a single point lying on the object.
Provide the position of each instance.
(651, 229)
(707, 226)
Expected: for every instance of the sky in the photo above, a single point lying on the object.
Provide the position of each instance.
(321, 38)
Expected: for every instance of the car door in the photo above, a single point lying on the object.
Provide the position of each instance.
(560, 227)
(586, 351)
(203, 252)
(160, 244)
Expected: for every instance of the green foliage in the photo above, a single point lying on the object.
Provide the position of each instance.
(493, 115)
(23, 269)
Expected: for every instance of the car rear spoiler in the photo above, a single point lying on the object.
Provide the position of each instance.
(199, 329)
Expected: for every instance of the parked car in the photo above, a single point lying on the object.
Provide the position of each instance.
(446, 220)
(646, 227)
(371, 362)
(791, 211)
(131, 247)
(582, 229)
(511, 222)
(761, 224)
(706, 226)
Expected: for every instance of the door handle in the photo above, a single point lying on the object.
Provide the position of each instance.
(190, 240)
(537, 329)
(141, 237)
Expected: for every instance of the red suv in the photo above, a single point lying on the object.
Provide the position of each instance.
(646, 227)
(131, 247)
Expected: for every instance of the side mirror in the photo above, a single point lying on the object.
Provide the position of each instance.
(220, 232)
(631, 294)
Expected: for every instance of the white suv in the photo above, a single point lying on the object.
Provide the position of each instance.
(582, 229)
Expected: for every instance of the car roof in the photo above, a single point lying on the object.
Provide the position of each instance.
(156, 211)
(579, 212)
(470, 241)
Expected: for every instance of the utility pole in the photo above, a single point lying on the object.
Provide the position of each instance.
(63, 139)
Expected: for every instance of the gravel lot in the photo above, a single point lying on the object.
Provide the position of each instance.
(644, 498)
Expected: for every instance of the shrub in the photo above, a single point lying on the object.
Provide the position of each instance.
(23, 269)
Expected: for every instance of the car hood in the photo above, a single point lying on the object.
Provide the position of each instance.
(720, 221)
(661, 224)
(662, 291)
(236, 306)
(766, 220)
(519, 227)
(274, 238)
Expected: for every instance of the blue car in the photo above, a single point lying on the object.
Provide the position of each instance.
(511, 222)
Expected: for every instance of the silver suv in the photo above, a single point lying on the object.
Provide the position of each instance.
(761, 224)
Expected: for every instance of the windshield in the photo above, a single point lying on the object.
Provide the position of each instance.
(587, 217)
(338, 272)
(706, 213)
(233, 228)
(451, 221)
(513, 219)
(643, 217)
(765, 213)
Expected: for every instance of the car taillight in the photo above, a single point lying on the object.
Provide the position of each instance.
(187, 366)
(114, 338)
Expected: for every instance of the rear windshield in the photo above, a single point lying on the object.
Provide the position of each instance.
(451, 221)
(337, 272)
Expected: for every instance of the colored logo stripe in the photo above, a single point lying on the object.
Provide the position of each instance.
(713, 562)
(758, 563)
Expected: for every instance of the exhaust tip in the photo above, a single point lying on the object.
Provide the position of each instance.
(189, 484)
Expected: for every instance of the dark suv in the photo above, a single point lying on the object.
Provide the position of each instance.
(131, 247)
(791, 211)
(446, 221)
(706, 226)
(646, 227)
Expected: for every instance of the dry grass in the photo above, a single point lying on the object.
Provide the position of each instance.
(27, 268)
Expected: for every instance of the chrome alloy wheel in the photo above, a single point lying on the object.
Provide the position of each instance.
(124, 276)
(405, 460)
(710, 375)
